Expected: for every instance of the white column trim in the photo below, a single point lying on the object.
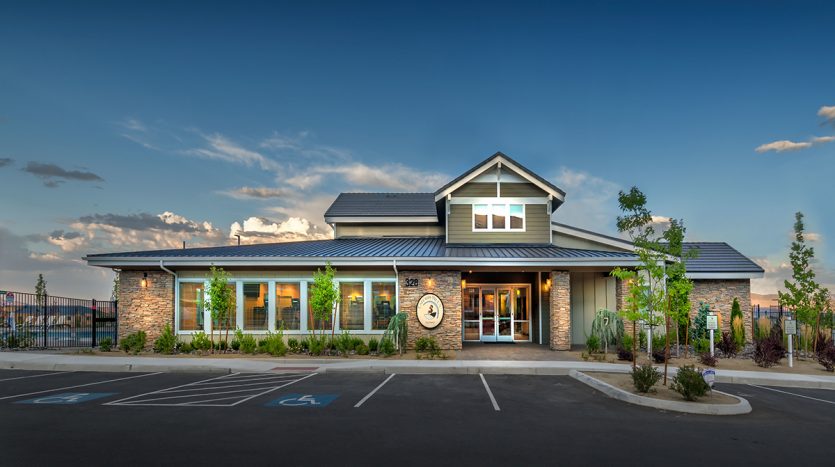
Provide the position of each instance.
(271, 306)
(366, 305)
(303, 308)
(239, 304)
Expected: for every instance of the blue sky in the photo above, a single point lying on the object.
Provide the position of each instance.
(140, 125)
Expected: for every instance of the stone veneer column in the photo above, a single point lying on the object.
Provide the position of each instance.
(720, 294)
(560, 310)
(447, 286)
(148, 308)
(621, 291)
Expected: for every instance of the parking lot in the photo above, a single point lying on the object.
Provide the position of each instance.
(299, 417)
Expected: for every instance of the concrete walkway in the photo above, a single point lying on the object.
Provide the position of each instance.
(62, 362)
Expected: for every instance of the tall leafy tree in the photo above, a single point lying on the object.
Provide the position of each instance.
(220, 299)
(804, 294)
(678, 285)
(40, 290)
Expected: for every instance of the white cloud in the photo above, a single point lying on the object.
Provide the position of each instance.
(590, 202)
(388, 176)
(783, 145)
(813, 237)
(222, 148)
(261, 230)
(827, 112)
(823, 139)
(247, 192)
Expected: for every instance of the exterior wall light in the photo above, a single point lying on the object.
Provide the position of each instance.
(430, 282)
(144, 281)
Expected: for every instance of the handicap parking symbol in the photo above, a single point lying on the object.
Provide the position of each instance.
(67, 398)
(303, 400)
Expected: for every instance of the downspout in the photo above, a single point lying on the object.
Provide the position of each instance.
(174, 307)
(396, 286)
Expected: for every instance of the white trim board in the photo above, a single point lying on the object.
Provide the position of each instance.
(498, 159)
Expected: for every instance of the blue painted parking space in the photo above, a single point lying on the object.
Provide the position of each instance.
(67, 398)
(303, 400)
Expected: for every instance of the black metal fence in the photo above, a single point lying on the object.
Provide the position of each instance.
(43, 321)
(773, 312)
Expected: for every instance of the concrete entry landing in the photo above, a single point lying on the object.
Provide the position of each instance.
(510, 351)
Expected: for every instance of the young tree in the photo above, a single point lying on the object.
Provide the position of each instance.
(808, 298)
(678, 285)
(324, 296)
(646, 293)
(40, 290)
(114, 294)
(220, 300)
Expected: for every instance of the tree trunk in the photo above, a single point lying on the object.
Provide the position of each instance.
(226, 339)
(687, 337)
(667, 350)
(634, 345)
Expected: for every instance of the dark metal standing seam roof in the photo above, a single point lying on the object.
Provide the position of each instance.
(719, 257)
(383, 204)
(390, 247)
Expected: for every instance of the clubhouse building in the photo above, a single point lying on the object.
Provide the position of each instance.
(484, 258)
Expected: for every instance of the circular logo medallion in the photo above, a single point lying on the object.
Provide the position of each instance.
(430, 311)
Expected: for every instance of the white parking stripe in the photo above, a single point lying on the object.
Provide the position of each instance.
(38, 376)
(116, 402)
(368, 396)
(79, 386)
(196, 394)
(793, 394)
(489, 393)
(273, 389)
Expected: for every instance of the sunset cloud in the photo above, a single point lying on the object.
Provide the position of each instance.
(783, 145)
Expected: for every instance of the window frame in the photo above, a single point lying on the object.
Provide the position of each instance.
(304, 283)
(507, 216)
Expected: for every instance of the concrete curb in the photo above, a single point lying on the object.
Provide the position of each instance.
(740, 408)
(113, 368)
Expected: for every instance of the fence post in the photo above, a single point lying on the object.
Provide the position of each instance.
(45, 321)
(93, 325)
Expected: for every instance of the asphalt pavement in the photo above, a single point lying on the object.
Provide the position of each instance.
(307, 418)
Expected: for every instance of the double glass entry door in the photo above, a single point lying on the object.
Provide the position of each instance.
(496, 313)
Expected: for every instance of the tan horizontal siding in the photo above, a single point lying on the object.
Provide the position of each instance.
(486, 190)
(461, 227)
(521, 190)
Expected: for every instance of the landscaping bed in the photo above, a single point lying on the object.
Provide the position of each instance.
(624, 381)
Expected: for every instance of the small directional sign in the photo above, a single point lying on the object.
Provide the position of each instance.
(67, 398)
(712, 322)
(790, 326)
(9, 298)
(303, 400)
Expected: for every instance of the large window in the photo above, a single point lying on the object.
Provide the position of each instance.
(352, 307)
(191, 306)
(287, 306)
(255, 306)
(498, 217)
(230, 320)
(312, 323)
(384, 304)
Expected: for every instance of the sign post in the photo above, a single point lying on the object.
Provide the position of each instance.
(790, 330)
(712, 325)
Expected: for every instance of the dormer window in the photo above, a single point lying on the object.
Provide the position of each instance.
(498, 217)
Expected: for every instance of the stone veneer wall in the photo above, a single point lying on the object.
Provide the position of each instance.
(146, 309)
(560, 310)
(447, 286)
(720, 295)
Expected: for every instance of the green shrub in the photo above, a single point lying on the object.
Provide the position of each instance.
(105, 344)
(316, 345)
(689, 382)
(246, 342)
(344, 343)
(373, 344)
(362, 349)
(200, 341)
(626, 342)
(133, 343)
(274, 344)
(701, 346)
(429, 346)
(644, 377)
(593, 343)
(235, 344)
(642, 340)
(293, 345)
(166, 342)
(737, 326)
(659, 341)
(356, 341)
(184, 347)
(304, 345)
(220, 345)
(387, 347)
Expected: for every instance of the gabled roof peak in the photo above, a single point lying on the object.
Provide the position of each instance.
(505, 160)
